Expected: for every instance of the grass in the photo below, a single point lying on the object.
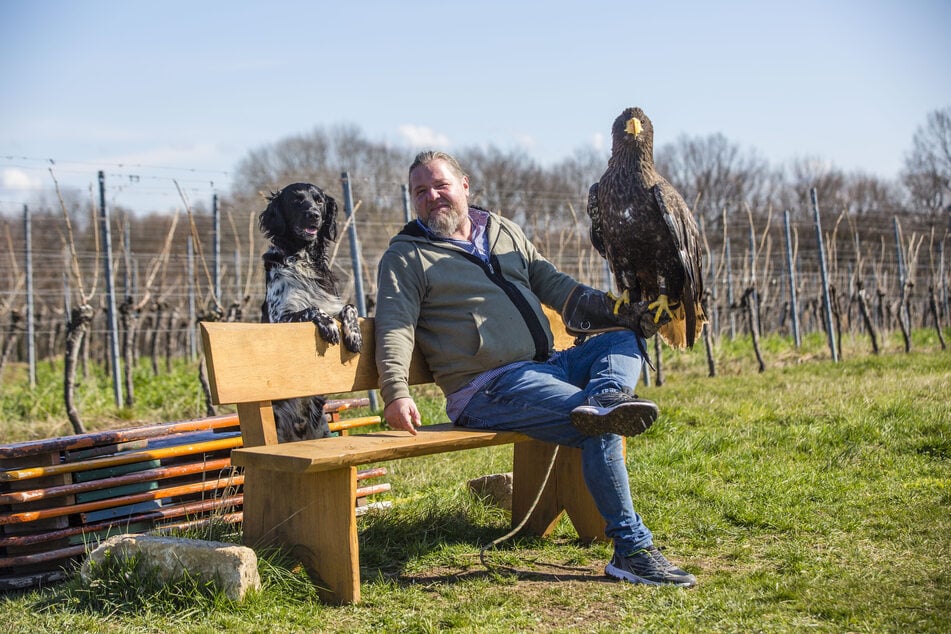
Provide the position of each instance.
(814, 496)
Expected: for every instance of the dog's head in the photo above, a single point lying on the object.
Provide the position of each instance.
(299, 215)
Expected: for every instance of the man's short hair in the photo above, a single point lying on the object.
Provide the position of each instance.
(424, 158)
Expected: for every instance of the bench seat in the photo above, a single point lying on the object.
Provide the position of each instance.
(308, 456)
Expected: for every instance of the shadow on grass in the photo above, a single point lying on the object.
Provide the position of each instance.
(446, 543)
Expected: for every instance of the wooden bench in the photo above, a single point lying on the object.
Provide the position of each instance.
(301, 494)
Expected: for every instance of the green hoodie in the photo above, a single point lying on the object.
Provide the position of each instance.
(466, 316)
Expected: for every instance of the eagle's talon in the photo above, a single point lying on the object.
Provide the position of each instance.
(663, 306)
(624, 298)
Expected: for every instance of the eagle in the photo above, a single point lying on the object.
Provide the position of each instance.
(641, 225)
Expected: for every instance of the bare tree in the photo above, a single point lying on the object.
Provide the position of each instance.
(927, 172)
(714, 174)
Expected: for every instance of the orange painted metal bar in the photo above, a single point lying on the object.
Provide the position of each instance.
(121, 459)
(39, 558)
(185, 489)
(372, 490)
(159, 473)
(166, 512)
(375, 472)
(229, 518)
(350, 423)
(80, 549)
(93, 439)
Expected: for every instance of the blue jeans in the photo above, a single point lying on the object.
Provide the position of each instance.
(537, 398)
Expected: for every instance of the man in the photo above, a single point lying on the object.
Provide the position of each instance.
(467, 287)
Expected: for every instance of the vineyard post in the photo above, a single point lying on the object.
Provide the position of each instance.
(127, 257)
(407, 212)
(714, 295)
(943, 282)
(793, 300)
(237, 274)
(755, 295)
(823, 271)
(192, 313)
(110, 292)
(729, 289)
(216, 236)
(30, 326)
(355, 258)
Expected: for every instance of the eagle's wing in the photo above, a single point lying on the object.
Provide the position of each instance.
(684, 232)
(594, 212)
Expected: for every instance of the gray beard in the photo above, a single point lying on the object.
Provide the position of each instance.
(445, 225)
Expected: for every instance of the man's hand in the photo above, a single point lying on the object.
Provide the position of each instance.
(402, 414)
(638, 317)
(589, 311)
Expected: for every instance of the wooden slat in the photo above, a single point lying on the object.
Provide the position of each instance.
(86, 507)
(250, 362)
(80, 441)
(158, 473)
(191, 508)
(120, 459)
(309, 456)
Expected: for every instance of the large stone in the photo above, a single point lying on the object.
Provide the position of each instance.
(233, 568)
(497, 488)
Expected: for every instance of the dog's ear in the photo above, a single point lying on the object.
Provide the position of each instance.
(329, 228)
(271, 220)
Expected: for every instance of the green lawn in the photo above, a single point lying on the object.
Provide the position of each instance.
(815, 496)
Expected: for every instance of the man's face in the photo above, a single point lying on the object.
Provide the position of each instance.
(440, 198)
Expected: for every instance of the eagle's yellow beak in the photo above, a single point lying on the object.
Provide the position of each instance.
(633, 126)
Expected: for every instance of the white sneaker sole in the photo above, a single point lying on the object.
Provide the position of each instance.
(624, 575)
(629, 419)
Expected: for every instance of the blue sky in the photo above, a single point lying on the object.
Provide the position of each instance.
(185, 90)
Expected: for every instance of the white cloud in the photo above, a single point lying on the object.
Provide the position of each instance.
(418, 136)
(14, 178)
(597, 142)
(526, 142)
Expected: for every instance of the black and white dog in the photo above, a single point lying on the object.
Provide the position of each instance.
(301, 222)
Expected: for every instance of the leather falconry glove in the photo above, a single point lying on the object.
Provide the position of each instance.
(588, 311)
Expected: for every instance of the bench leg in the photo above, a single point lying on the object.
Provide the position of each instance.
(314, 514)
(566, 491)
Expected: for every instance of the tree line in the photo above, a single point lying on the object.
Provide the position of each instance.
(884, 241)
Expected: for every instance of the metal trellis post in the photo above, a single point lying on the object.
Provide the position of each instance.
(192, 312)
(793, 300)
(110, 292)
(216, 215)
(30, 326)
(355, 258)
(407, 210)
(826, 301)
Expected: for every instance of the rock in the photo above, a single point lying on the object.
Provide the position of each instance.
(496, 487)
(233, 568)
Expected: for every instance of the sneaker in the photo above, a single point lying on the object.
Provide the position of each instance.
(614, 413)
(649, 566)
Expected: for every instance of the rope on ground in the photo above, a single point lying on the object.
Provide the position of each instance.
(531, 509)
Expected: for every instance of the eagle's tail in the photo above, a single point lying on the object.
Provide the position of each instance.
(684, 329)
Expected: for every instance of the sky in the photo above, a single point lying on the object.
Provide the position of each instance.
(172, 94)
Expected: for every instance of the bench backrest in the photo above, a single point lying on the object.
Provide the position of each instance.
(252, 364)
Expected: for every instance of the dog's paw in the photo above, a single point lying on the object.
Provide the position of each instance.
(327, 327)
(353, 340)
(352, 337)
